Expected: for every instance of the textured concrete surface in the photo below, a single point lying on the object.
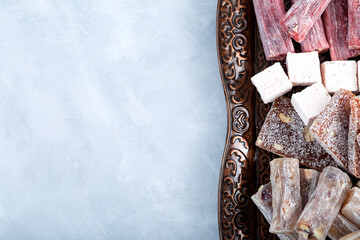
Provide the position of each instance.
(112, 119)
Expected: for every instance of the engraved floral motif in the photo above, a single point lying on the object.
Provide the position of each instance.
(236, 212)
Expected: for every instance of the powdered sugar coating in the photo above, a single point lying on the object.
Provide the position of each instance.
(331, 127)
(291, 136)
(351, 209)
(353, 143)
(352, 236)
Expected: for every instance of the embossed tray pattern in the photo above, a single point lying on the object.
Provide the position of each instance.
(244, 167)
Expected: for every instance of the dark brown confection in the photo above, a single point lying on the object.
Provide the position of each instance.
(331, 127)
(285, 134)
(353, 140)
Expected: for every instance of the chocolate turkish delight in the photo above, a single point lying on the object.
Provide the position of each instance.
(263, 200)
(351, 207)
(308, 181)
(301, 17)
(354, 23)
(324, 204)
(353, 143)
(275, 42)
(285, 134)
(341, 227)
(335, 20)
(286, 198)
(331, 127)
(352, 236)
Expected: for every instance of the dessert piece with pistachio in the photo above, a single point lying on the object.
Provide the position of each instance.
(286, 198)
(285, 134)
(324, 204)
(308, 181)
(331, 127)
(341, 227)
(263, 200)
(351, 207)
(352, 236)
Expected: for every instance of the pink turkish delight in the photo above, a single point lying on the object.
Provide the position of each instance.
(298, 21)
(331, 127)
(353, 143)
(263, 200)
(286, 198)
(275, 42)
(324, 204)
(335, 20)
(341, 227)
(285, 134)
(354, 23)
(315, 40)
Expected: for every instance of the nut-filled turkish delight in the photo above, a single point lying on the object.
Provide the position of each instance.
(324, 204)
(341, 227)
(286, 199)
(308, 181)
(263, 200)
(331, 127)
(352, 236)
(275, 42)
(335, 20)
(353, 144)
(285, 134)
(351, 207)
(301, 17)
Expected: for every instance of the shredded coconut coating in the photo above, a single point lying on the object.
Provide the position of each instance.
(331, 127)
(353, 143)
(285, 134)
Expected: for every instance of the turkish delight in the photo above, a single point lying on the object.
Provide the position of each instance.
(331, 127)
(354, 23)
(352, 236)
(353, 143)
(308, 181)
(286, 198)
(335, 20)
(285, 134)
(351, 207)
(303, 68)
(310, 102)
(315, 40)
(339, 74)
(271, 83)
(263, 200)
(275, 42)
(324, 204)
(341, 227)
(301, 17)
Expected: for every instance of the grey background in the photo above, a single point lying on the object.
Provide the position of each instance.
(112, 119)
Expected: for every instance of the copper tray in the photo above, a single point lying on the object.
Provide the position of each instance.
(244, 167)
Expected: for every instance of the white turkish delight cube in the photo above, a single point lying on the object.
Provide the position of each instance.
(339, 74)
(310, 102)
(272, 83)
(303, 68)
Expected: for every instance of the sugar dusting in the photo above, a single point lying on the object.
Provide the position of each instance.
(291, 137)
(353, 141)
